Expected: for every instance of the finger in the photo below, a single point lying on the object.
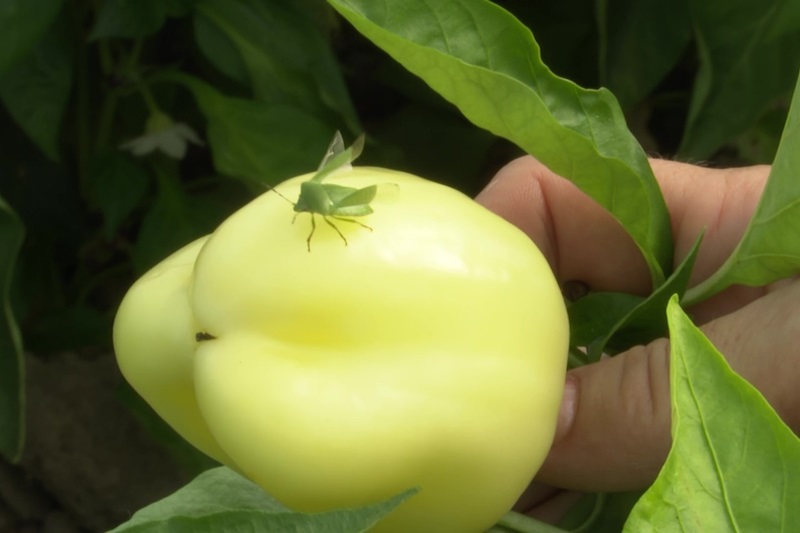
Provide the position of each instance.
(583, 242)
(614, 427)
(577, 236)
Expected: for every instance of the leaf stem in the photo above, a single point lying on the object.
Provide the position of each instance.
(577, 357)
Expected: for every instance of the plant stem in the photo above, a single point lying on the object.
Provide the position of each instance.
(520, 523)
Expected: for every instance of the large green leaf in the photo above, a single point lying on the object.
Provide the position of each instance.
(11, 363)
(734, 465)
(640, 41)
(22, 23)
(482, 59)
(256, 141)
(221, 500)
(749, 56)
(286, 56)
(35, 90)
(770, 248)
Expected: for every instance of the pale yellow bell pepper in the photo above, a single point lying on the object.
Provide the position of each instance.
(428, 350)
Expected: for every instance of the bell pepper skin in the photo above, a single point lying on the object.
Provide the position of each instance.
(427, 351)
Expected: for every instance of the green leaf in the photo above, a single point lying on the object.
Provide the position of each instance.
(640, 42)
(116, 185)
(481, 58)
(135, 18)
(35, 91)
(255, 141)
(219, 49)
(597, 313)
(734, 465)
(287, 59)
(221, 500)
(769, 249)
(12, 420)
(744, 66)
(22, 24)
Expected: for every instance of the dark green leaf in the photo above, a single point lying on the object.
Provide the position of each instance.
(565, 31)
(744, 67)
(70, 328)
(734, 465)
(770, 248)
(221, 500)
(130, 18)
(178, 8)
(484, 61)
(411, 139)
(22, 24)
(648, 321)
(35, 90)
(179, 216)
(219, 49)
(12, 420)
(641, 40)
(116, 185)
(600, 513)
(256, 141)
(592, 316)
(287, 58)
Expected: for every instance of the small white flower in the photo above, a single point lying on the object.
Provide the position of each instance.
(162, 133)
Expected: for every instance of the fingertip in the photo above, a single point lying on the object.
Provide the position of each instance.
(569, 406)
(614, 425)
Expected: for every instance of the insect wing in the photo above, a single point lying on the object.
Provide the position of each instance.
(355, 197)
(335, 148)
(333, 162)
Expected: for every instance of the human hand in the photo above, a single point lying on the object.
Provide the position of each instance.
(614, 426)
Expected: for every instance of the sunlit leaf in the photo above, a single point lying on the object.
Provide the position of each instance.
(484, 61)
(734, 465)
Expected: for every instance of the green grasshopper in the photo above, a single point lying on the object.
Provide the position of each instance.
(331, 201)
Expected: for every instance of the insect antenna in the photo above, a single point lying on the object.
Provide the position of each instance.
(276, 191)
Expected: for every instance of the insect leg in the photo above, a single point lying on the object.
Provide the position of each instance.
(313, 229)
(331, 224)
(353, 221)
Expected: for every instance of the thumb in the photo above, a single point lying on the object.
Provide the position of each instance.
(614, 426)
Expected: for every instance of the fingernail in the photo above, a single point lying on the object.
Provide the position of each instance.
(569, 405)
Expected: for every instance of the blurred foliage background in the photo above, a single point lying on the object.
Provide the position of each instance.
(131, 127)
